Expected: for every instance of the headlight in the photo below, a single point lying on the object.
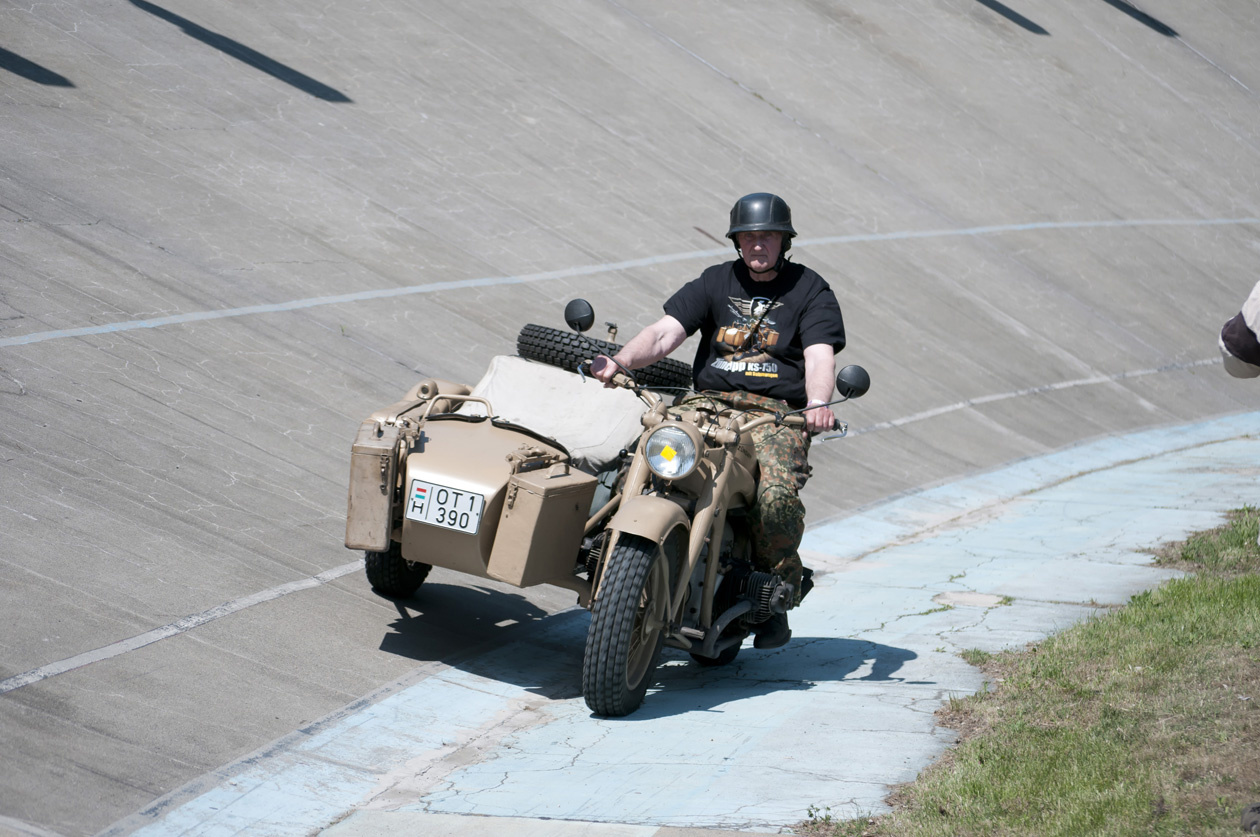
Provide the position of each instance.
(671, 452)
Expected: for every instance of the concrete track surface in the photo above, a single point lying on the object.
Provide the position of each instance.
(229, 231)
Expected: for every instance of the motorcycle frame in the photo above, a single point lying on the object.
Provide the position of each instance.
(632, 511)
(656, 518)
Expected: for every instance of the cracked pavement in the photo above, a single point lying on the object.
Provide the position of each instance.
(834, 719)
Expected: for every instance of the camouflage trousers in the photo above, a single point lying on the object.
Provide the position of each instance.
(778, 518)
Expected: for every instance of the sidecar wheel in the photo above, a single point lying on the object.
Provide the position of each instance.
(567, 349)
(624, 642)
(393, 575)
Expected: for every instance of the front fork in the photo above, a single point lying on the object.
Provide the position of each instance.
(707, 525)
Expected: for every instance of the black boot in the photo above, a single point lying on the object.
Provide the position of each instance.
(772, 633)
(1251, 819)
(807, 582)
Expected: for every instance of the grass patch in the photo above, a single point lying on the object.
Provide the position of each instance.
(1143, 721)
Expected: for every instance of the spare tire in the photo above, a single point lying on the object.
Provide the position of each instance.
(567, 349)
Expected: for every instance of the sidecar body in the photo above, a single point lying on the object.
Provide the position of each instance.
(496, 480)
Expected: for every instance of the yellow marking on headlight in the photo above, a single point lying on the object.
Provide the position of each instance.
(668, 453)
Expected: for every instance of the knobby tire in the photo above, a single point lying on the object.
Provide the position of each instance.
(567, 349)
(393, 575)
(623, 644)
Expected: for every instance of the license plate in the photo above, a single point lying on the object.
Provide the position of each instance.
(441, 505)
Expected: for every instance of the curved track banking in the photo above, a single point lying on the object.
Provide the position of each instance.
(192, 621)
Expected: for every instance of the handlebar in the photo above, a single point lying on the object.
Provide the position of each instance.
(619, 379)
(735, 428)
(769, 418)
(624, 380)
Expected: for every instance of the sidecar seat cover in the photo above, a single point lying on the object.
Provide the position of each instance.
(592, 422)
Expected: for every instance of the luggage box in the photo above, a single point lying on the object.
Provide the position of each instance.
(372, 473)
(540, 528)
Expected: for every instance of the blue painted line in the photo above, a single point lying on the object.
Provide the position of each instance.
(506, 734)
(588, 270)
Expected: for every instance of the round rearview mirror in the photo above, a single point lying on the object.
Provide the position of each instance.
(579, 315)
(853, 382)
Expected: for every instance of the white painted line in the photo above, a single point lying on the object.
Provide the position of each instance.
(1019, 393)
(587, 270)
(173, 629)
(24, 829)
(362, 296)
(1040, 225)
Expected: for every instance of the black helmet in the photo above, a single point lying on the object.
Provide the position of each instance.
(761, 211)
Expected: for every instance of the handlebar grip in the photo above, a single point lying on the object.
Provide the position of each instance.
(836, 424)
(619, 379)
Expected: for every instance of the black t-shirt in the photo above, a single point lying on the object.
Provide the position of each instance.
(753, 334)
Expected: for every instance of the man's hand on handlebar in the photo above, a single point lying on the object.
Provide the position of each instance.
(603, 368)
(820, 420)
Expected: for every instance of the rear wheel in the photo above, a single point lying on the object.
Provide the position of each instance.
(567, 349)
(393, 575)
(623, 644)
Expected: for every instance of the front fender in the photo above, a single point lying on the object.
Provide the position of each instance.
(650, 517)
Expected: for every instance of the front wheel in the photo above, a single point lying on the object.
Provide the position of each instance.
(623, 644)
(393, 575)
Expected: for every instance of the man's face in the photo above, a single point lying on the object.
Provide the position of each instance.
(760, 248)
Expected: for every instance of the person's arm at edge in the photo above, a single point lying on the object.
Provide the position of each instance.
(1239, 347)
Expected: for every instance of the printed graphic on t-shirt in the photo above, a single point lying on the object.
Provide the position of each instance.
(743, 346)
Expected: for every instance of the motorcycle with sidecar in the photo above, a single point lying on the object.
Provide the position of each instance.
(629, 495)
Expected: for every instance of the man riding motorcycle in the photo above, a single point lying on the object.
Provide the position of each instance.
(769, 332)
